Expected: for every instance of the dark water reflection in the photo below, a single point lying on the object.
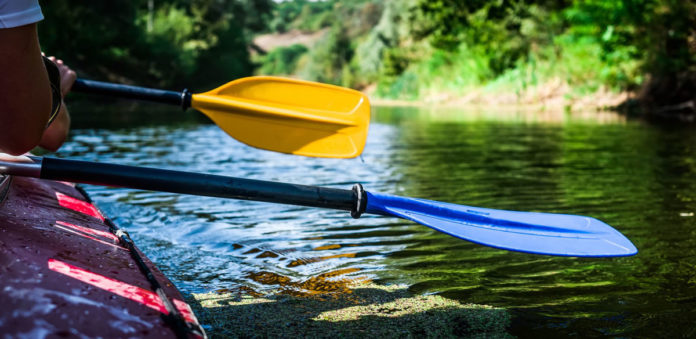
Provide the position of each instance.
(639, 178)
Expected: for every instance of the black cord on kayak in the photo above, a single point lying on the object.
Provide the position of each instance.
(173, 316)
(181, 327)
(5, 182)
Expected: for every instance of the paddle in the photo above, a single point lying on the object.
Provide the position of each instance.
(277, 114)
(540, 233)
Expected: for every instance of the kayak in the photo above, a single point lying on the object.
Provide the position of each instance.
(67, 270)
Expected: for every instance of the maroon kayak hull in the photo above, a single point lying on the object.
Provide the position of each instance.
(63, 273)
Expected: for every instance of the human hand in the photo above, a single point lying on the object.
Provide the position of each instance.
(56, 133)
(67, 75)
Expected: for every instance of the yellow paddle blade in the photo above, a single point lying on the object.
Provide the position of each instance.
(290, 116)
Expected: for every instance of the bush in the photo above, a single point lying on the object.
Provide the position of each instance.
(282, 60)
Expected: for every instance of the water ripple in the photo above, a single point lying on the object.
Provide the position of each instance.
(640, 179)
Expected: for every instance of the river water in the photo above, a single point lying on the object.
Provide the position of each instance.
(638, 177)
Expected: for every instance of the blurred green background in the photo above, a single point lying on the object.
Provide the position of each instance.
(436, 50)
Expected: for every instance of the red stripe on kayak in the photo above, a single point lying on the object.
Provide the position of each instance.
(65, 228)
(135, 293)
(78, 205)
(89, 230)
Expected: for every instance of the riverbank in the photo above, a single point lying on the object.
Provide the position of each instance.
(554, 95)
(365, 310)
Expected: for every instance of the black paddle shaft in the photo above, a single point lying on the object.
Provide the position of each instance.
(182, 98)
(202, 184)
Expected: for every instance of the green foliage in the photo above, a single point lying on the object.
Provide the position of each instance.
(282, 60)
(171, 41)
(302, 14)
(171, 44)
(380, 56)
(503, 30)
(659, 32)
(409, 48)
(308, 15)
(90, 36)
(417, 48)
(330, 57)
(519, 44)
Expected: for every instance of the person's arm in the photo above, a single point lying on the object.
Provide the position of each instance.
(25, 92)
(55, 135)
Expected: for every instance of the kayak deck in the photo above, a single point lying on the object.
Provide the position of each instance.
(63, 271)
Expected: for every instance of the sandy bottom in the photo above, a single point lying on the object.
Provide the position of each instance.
(363, 310)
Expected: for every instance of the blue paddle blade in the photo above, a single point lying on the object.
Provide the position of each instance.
(530, 232)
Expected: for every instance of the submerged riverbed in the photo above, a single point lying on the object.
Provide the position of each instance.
(637, 177)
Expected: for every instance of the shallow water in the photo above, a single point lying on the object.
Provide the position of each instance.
(639, 178)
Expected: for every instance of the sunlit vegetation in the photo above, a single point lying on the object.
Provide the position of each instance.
(158, 43)
(419, 49)
(512, 51)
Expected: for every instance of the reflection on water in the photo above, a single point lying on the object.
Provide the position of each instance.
(639, 178)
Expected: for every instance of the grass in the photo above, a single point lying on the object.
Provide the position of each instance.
(571, 73)
(366, 310)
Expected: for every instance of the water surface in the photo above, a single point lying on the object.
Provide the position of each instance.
(639, 178)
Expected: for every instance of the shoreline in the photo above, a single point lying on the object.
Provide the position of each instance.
(519, 107)
(388, 109)
(553, 95)
(549, 103)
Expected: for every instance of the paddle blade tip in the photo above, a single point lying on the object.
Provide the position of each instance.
(614, 243)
